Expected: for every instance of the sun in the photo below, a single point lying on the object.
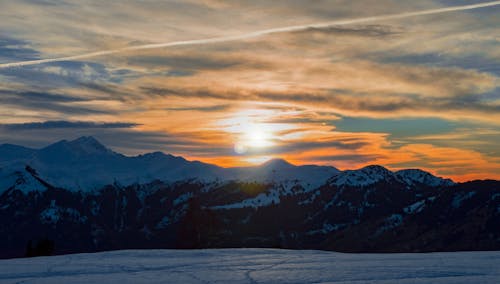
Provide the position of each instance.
(257, 137)
(253, 136)
(253, 131)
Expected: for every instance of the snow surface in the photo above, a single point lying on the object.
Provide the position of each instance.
(253, 266)
(418, 206)
(261, 200)
(327, 228)
(390, 223)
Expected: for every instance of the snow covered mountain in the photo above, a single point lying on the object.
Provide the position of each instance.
(85, 197)
(85, 164)
(373, 174)
(366, 176)
(416, 176)
(279, 170)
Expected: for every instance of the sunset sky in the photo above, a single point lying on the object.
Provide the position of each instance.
(414, 92)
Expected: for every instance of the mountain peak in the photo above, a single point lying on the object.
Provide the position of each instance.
(277, 163)
(362, 177)
(375, 168)
(85, 140)
(89, 145)
(82, 146)
(413, 176)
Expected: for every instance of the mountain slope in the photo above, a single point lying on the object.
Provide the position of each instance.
(11, 153)
(386, 217)
(416, 176)
(86, 198)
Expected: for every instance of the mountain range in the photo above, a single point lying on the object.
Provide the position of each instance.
(85, 197)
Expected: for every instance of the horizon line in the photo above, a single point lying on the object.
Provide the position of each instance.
(275, 158)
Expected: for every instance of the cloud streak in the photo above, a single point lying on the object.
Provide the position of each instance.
(254, 34)
(66, 124)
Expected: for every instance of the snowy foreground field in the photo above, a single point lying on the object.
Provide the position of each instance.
(253, 266)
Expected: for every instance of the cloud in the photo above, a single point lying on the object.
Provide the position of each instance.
(337, 94)
(60, 104)
(479, 62)
(293, 147)
(66, 124)
(127, 140)
(19, 96)
(16, 49)
(397, 127)
(351, 158)
(58, 74)
(355, 30)
(183, 62)
(370, 89)
(250, 35)
(213, 108)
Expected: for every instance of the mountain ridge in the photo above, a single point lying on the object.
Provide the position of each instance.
(103, 200)
(86, 164)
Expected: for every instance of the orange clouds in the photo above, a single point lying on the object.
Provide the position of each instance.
(278, 95)
(310, 142)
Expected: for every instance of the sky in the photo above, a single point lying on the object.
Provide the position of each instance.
(402, 92)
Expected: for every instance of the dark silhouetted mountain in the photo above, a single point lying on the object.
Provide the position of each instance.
(84, 197)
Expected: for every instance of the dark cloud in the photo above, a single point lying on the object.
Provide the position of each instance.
(302, 146)
(233, 95)
(7, 96)
(479, 62)
(186, 62)
(295, 120)
(391, 103)
(355, 158)
(397, 127)
(202, 109)
(346, 99)
(47, 101)
(12, 49)
(358, 30)
(66, 124)
(293, 97)
(58, 74)
(111, 91)
(187, 93)
(298, 147)
(122, 137)
(48, 2)
(124, 140)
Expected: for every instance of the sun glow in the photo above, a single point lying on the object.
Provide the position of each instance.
(253, 136)
(257, 136)
(252, 130)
